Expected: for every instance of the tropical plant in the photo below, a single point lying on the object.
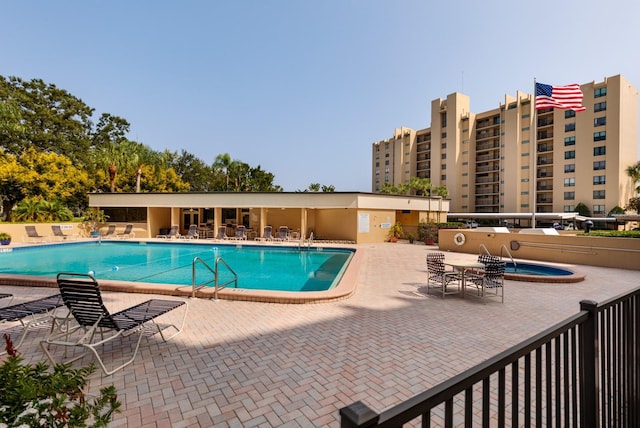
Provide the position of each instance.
(93, 218)
(38, 210)
(33, 396)
(4, 236)
(395, 231)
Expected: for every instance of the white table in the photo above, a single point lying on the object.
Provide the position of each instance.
(463, 266)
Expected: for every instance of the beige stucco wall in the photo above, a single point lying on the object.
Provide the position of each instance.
(18, 234)
(621, 253)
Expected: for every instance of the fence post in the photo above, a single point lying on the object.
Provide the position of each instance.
(358, 414)
(589, 407)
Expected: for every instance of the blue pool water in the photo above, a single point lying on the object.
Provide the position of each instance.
(257, 267)
(536, 269)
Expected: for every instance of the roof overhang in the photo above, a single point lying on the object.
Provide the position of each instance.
(315, 200)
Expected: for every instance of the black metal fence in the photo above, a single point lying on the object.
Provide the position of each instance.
(583, 372)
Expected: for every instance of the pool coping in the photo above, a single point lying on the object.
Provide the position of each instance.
(343, 290)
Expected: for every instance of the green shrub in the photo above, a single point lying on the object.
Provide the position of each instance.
(30, 395)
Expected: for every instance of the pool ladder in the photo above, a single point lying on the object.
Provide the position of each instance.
(504, 247)
(216, 277)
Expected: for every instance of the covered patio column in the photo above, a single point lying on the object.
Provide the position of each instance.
(217, 216)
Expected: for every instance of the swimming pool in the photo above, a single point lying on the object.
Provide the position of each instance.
(534, 272)
(258, 267)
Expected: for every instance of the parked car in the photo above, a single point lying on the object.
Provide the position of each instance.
(471, 224)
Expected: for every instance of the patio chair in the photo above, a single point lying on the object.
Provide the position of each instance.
(283, 234)
(33, 236)
(192, 233)
(30, 314)
(222, 233)
(173, 233)
(489, 282)
(241, 233)
(59, 234)
(97, 326)
(437, 275)
(6, 296)
(111, 232)
(266, 234)
(127, 232)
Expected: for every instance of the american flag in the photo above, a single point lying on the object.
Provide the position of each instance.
(568, 97)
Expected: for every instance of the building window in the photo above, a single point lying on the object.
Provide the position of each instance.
(598, 194)
(598, 165)
(570, 154)
(599, 179)
(377, 164)
(569, 114)
(598, 209)
(599, 151)
(386, 155)
(443, 166)
(525, 154)
(525, 141)
(569, 208)
(386, 179)
(569, 196)
(569, 182)
(465, 163)
(386, 146)
(570, 127)
(444, 146)
(524, 193)
(600, 92)
(386, 162)
(443, 177)
(600, 136)
(444, 156)
(600, 121)
(600, 106)
(569, 141)
(377, 172)
(570, 167)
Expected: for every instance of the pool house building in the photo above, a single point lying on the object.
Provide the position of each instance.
(333, 216)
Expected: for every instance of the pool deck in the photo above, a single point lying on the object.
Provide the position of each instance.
(247, 363)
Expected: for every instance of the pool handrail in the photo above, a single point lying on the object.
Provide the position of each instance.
(214, 271)
(483, 247)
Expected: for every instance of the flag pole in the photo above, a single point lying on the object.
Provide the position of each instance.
(534, 174)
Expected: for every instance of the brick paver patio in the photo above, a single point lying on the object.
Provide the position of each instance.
(245, 364)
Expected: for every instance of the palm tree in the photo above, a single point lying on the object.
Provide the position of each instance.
(222, 164)
(633, 171)
(441, 191)
(117, 157)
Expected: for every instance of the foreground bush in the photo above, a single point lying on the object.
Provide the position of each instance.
(32, 396)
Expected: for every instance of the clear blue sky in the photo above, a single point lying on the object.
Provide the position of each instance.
(303, 88)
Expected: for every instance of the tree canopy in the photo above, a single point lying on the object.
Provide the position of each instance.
(50, 150)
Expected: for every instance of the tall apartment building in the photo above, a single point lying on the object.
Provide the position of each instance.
(502, 161)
